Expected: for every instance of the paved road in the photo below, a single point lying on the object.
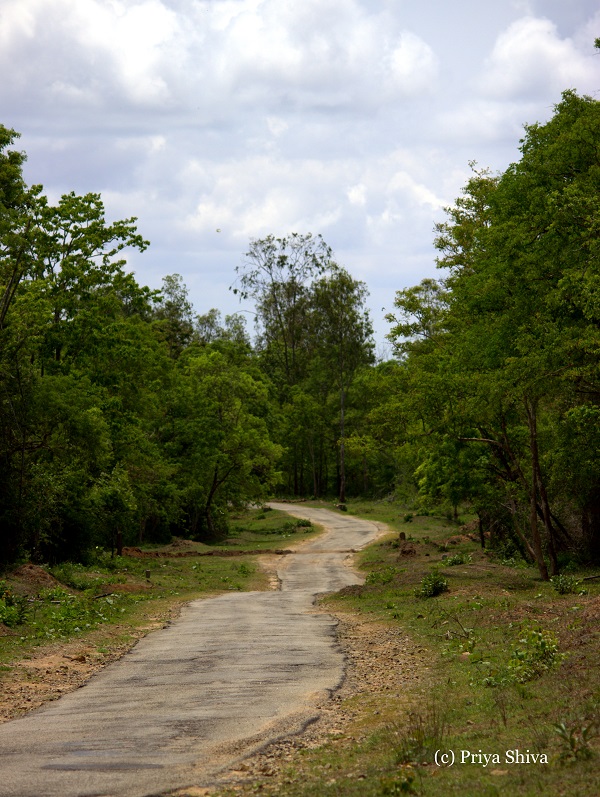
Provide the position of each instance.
(231, 674)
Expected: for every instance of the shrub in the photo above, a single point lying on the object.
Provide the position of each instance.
(431, 585)
(459, 559)
(384, 576)
(538, 652)
(566, 585)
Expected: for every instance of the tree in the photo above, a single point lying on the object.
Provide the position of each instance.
(343, 341)
(277, 274)
(217, 433)
(512, 360)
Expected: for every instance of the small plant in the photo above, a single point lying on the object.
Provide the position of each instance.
(303, 523)
(575, 740)
(538, 652)
(400, 783)
(384, 576)
(459, 559)
(432, 584)
(408, 517)
(566, 585)
(13, 609)
(422, 736)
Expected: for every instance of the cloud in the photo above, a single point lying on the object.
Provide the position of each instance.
(217, 57)
(530, 58)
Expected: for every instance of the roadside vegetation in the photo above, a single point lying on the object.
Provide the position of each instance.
(510, 666)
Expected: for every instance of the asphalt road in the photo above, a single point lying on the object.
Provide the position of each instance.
(188, 701)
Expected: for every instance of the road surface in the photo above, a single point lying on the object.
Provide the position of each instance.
(229, 675)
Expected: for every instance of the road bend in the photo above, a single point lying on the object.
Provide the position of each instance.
(231, 674)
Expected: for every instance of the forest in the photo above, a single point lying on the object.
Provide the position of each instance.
(126, 416)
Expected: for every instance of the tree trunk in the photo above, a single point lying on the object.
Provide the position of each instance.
(342, 495)
(533, 508)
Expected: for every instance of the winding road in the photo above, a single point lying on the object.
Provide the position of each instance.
(231, 674)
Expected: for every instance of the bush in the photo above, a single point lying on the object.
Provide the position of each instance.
(538, 652)
(431, 585)
(459, 559)
(566, 585)
(384, 576)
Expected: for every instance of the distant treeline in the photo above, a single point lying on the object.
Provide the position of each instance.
(127, 417)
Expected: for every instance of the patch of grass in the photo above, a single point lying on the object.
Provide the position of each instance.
(258, 529)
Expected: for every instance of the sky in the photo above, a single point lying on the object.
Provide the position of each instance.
(217, 122)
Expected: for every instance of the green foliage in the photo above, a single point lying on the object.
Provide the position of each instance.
(13, 608)
(565, 584)
(575, 739)
(432, 584)
(459, 559)
(537, 651)
(384, 576)
(495, 353)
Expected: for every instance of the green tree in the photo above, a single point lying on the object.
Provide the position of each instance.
(513, 356)
(343, 342)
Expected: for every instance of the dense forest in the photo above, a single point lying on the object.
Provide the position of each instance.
(126, 416)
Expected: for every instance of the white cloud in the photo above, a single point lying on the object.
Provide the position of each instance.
(217, 57)
(529, 58)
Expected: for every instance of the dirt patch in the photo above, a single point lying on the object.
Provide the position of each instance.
(29, 579)
(137, 553)
(53, 670)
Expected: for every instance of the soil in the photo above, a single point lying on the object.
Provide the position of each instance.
(29, 579)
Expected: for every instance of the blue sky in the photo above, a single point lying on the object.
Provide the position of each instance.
(217, 122)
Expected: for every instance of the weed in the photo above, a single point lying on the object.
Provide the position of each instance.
(303, 523)
(459, 559)
(575, 740)
(424, 734)
(408, 517)
(13, 609)
(538, 653)
(384, 576)
(401, 783)
(432, 584)
(567, 585)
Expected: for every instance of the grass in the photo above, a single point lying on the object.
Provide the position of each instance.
(513, 667)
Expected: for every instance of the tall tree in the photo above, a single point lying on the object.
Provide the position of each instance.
(342, 342)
